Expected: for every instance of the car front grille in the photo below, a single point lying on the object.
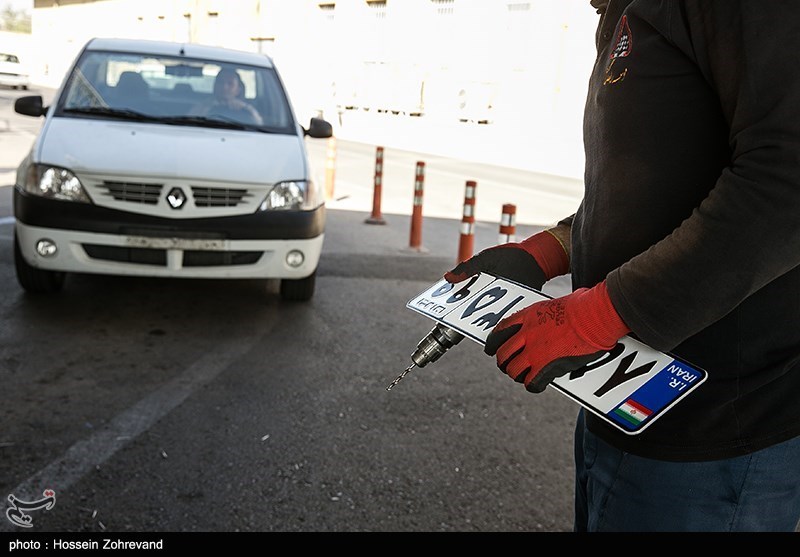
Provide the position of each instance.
(141, 256)
(218, 197)
(158, 257)
(149, 194)
(134, 192)
(220, 258)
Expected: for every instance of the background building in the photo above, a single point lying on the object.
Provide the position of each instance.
(478, 60)
(520, 64)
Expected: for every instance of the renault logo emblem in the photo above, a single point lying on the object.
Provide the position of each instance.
(176, 198)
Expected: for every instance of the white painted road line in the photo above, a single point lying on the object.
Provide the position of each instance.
(85, 455)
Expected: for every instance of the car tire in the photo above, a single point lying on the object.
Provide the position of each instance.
(33, 280)
(298, 290)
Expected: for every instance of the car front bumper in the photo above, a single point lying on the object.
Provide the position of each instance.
(92, 239)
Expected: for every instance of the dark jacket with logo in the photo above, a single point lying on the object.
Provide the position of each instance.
(692, 210)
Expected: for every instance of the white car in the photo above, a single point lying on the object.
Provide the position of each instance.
(12, 72)
(171, 160)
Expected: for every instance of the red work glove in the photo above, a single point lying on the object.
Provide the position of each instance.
(551, 338)
(531, 262)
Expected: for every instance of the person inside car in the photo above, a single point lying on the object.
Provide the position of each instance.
(229, 102)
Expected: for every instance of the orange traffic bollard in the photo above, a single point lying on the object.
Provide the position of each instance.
(376, 217)
(416, 215)
(508, 224)
(330, 168)
(466, 244)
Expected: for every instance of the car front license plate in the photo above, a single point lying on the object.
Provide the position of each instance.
(197, 244)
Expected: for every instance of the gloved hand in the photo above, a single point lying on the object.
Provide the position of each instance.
(531, 262)
(551, 338)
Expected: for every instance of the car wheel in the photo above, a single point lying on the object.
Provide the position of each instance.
(298, 290)
(33, 280)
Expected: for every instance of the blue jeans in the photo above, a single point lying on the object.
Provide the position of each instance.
(617, 491)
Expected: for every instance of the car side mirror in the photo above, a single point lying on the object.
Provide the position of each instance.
(32, 105)
(319, 128)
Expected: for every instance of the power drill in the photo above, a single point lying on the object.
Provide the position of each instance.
(439, 340)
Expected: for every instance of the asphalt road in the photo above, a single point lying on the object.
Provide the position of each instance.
(156, 405)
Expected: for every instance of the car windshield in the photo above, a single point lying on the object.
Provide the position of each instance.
(176, 91)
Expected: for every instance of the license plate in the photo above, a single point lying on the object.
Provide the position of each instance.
(196, 244)
(629, 387)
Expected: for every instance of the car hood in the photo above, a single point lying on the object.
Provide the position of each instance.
(155, 150)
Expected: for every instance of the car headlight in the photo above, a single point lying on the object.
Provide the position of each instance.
(55, 183)
(291, 195)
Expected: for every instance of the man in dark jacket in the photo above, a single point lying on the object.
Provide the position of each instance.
(687, 238)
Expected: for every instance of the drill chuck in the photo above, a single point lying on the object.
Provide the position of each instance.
(439, 340)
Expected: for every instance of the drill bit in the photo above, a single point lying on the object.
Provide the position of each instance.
(400, 377)
(438, 341)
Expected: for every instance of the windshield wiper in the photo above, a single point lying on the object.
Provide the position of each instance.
(216, 121)
(127, 114)
(122, 113)
(205, 121)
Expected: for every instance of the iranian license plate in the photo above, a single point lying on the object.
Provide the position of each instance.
(198, 244)
(630, 387)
